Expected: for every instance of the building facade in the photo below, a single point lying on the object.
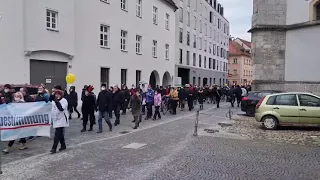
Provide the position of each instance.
(285, 45)
(103, 41)
(202, 42)
(240, 69)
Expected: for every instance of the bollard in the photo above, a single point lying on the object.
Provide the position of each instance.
(230, 113)
(196, 125)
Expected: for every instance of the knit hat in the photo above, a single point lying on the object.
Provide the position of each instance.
(7, 86)
(90, 88)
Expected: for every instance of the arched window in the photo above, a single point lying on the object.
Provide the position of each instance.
(315, 10)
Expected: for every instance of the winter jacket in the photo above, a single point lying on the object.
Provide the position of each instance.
(42, 97)
(149, 96)
(182, 94)
(103, 101)
(157, 99)
(238, 92)
(60, 113)
(174, 95)
(89, 103)
(7, 97)
(73, 98)
(201, 96)
(132, 91)
(117, 99)
(136, 105)
(126, 94)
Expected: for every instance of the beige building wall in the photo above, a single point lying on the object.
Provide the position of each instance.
(240, 70)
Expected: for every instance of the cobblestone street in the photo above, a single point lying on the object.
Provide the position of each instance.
(248, 127)
(168, 150)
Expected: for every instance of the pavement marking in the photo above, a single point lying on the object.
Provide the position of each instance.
(134, 146)
(116, 136)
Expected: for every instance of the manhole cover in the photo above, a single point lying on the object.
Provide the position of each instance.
(124, 132)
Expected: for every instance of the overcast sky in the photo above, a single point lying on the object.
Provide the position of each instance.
(238, 13)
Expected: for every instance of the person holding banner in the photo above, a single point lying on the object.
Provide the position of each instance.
(18, 98)
(7, 94)
(59, 120)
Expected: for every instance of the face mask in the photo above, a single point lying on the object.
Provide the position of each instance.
(156, 93)
(17, 99)
(86, 93)
(6, 90)
(71, 90)
(103, 88)
(40, 92)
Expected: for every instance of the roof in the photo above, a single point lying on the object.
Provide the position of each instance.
(306, 93)
(235, 49)
(172, 4)
(247, 43)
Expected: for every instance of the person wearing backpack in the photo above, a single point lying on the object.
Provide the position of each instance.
(174, 94)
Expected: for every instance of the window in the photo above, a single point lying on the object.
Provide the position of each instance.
(188, 19)
(200, 8)
(154, 48)
(104, 76)
(318, 11)
(194, 41)
(210, 65)
(188, 38)
(210, 47)
(200, 23)
(193, 80)
(195, 22)
(205, 12)
(124, 35)
(213, 64)
(52, 19)
(199, 60)
(138, 44)
(139, 8)
(214, 49)
(200, 42)
(308, 100)
(210, 17)
(194, 59)
(167, 21)
(104, 36)
(181, 35)
(155, 15)
(181, 15)
(210, 32)
(167, 51)
(214, 80)
(189, 2)
(105, 1)
(180, 56)
(205, 29)
(123, 76)
(205, 45)
(235, 72)
(235, 61)
(188, 58)
(199, 81)
(218, 51)
(286, 100)
(217, 65)
(138, 77)
(205, 62)
(124, 5)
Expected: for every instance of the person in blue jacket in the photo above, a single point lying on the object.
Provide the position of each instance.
(149, 101)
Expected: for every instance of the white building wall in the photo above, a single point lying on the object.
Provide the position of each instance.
(77, 41)
(297, 11)
(201, 10)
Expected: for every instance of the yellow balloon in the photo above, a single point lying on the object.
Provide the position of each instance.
(70, 78)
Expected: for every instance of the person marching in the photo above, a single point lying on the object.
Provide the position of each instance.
(73, 102)
(116, 103)
(88, 108)
(157, 104)
(18, 98)
(59, 120)
(126, 98)
(201, 97)
(149, 101)
(174, 94)
(136, 104)
(104, 103)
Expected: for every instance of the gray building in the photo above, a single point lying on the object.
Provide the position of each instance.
(202, 42)
(285, 44)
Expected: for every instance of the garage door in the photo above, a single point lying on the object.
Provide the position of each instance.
(50, 72)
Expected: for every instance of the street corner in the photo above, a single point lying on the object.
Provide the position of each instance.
(247, 127)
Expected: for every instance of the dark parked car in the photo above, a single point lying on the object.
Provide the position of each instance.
(249, 102)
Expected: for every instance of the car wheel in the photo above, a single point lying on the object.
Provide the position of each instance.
(270, 122)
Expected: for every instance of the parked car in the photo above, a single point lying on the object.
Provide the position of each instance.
(249, 102)
(285, 109)
(32, 89)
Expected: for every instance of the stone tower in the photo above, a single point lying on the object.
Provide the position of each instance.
(269, 44)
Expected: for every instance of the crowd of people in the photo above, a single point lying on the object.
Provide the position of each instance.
(116, 101)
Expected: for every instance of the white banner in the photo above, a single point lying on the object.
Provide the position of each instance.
(19, 120)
